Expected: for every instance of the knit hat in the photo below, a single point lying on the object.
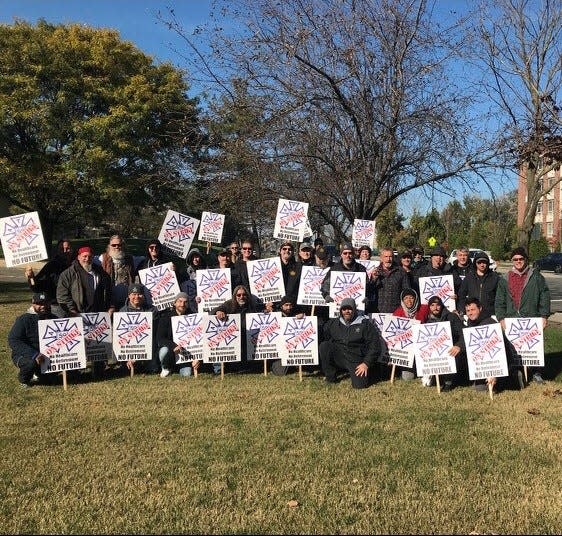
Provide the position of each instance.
(181, 295)
(348, 302)
(39, 298)
(305, 245)
(481, 256)
(519, 251)
(136, 288)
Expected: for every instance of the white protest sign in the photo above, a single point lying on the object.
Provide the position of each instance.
(61, 341)
(347, 285)
(22, 239)
(485, 351)
(290, 220)
(399, 337)
(187, 332)
(214, 286)
(526, 337)
(378, 319)
(177, 233)
(368, 264)
(441, 286)
(266, 279)
(222, 340)
(162, 283)
(132, 336)
(363, 233)
(263, 335)
(211, 228)
(97, 336)
(300, 341)
(432, 342)
(309, 285)
(308, 229)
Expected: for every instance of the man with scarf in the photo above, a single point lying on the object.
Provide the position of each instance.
(410, 308)
(439, 313)
(523, 292)
(24, 339)
(352, 343)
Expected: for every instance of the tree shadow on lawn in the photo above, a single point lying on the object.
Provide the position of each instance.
(14, 292)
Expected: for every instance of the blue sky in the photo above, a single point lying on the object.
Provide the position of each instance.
(135, 20)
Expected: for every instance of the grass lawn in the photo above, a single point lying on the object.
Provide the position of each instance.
(205, 455)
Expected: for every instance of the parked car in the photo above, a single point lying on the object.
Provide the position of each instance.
(471, 253)
(552, 261)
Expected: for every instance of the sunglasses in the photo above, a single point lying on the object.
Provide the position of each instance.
(235, 247)
(241, 295)
(516, 259)
(286, 249)
(347, 252)
(115, 245)
(152, 247)
(247, 249)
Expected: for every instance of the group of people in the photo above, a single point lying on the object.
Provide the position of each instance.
(69, 285)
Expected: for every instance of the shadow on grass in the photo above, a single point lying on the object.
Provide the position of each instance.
(14, 292)
(553, 366)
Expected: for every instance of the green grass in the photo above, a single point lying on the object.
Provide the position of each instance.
(147, 455)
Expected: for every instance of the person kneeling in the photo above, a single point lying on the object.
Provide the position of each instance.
(352, 343)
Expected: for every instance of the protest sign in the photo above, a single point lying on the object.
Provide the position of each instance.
(61, 341)
(363, 233)
(290, 220)
(162, 283)
(132, 336)
(187, 333)
(485, 351)
(527, 340)
(441, 286)
(263, 335)
(266, 279)
(222, 339)
(97, 336)
(309, 285)
(299, 341)
(347, 285)
(214, 287)
(432, 342)
(177, 233)
(399, 337)
(22, 239)
(211, 228)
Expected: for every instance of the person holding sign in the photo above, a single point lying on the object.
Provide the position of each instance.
(167, 348)
(136, 303)
(352, 343)
(439, 313)
(288, 308)
(23, 339)
(389, 281)
(475, 317)
(410, 308)
(242, 302)
(523, 292)
(154, 256)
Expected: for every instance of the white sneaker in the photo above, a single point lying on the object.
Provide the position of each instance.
(426, 380)
(165, 373)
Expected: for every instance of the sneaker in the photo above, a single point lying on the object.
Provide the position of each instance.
(426, 380)
(330, 379)
(407, 375)
(447, 386)
(165, 373)
(24, 385)
(537, 378)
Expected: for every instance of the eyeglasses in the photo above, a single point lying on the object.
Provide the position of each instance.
(235, 247)
(517, 259)
(150, 247)
(247, 249)
(115, 245)
(347, 252)
(286, 249)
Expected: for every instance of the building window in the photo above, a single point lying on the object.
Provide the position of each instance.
(549, 230)
(539, 208)
(550, 206)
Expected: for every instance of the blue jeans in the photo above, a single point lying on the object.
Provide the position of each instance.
(168, 361)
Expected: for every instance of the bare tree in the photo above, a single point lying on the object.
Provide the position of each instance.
(520, 51)
(358, 99)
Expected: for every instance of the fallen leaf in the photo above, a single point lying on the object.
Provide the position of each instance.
(534, 411)
(293, 503)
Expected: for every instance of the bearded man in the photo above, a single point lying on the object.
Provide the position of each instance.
(120, 267)
(84, 287)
